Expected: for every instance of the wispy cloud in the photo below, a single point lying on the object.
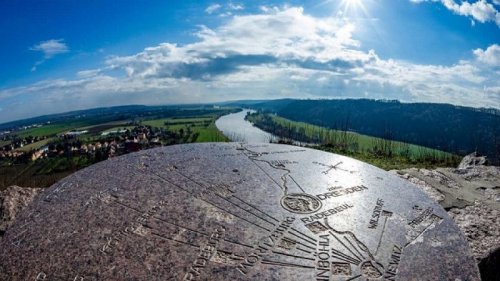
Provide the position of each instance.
(481, 10)
(236, 7)
(212, 8)
(225, 10)
(49, 49)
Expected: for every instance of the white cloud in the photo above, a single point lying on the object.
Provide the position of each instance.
(212, 8)
(282, 52)
(481, 10)
(49, 49)
(490, 56)
(236, 7)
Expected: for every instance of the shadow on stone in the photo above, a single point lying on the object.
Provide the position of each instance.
(489, 267)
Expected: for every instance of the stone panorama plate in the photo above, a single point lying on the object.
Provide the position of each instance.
(234, 212)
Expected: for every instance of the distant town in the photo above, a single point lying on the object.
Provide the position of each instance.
(69, 144)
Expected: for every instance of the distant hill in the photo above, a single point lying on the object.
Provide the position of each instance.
(442, 126)
(106, 113)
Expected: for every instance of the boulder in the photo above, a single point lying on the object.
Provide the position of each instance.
(472, 160)
(12, 200)
(471, 195)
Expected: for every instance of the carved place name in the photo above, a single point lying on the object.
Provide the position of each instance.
(226, 155)
(323, 258)
(265, 246)
(426, 220)
(332, 188)
(322, 164)
(254, 146)
(286, 151)
(135, 227)
(327, 213)
(282, 163)
(103, 196)
(376, 214)
(392, 267)
(206, 253)
(422, 217)
(54, 194)
(341, 192)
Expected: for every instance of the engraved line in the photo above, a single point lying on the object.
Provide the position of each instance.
(303, 250)
(244, 209)
(344, 245)
(305, 235)
(381, 235)
(127, 206)
(207, 188)
(199, 232)
(262, 169)
(344, 259)
(340, 254)
(189, 179)
(204, 200)
(271, 262)
(307, 246)
(352, 278)
(175, 240)
(293, 256)
(352, 236)
(253, 159)
(234, 214)
(271, 217)
(354, 247)
(421, 233)
(302, 239)
(297, 183)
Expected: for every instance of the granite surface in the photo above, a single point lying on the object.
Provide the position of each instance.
(234, 212)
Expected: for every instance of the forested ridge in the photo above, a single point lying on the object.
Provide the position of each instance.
(446, 127)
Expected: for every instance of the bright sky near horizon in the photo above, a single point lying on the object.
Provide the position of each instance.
(62, 55)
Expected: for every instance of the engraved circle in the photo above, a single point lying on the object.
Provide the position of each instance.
(301, 203)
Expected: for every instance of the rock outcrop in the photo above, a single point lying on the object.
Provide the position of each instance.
(471, 195)
(12, 201)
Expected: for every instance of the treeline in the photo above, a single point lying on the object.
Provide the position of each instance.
(383, 152)
(455, 129)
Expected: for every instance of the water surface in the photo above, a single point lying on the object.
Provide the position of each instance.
(235, 127)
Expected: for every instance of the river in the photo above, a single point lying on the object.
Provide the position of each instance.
(235, 127)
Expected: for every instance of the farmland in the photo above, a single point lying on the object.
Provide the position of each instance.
(202, 128)
(95, 138)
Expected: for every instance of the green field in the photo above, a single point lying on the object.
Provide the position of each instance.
(384, 153)
(203, 129)
(51, 129)
(177, 123)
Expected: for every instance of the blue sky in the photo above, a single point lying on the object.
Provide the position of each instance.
(62, 55)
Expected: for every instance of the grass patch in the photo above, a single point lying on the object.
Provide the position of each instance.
(199, 129)
(50, 130)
